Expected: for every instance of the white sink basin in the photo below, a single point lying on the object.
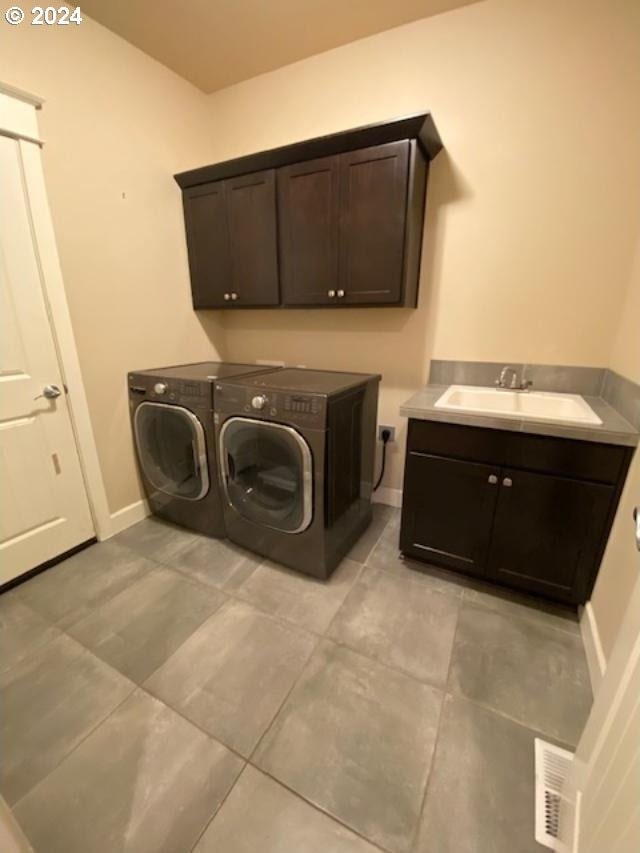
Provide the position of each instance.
(537, 405)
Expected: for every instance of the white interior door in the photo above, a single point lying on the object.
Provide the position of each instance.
(44, 509)
(600, 811)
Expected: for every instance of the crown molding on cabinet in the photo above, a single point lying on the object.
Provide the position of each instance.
(420, 127)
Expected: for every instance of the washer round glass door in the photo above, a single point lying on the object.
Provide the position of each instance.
(267, 473)
(172, 450)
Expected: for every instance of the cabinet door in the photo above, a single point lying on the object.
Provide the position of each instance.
(373, 199)
(547, 533)
(308, 217)
(251, 215)
(205, 218)
(447, 511)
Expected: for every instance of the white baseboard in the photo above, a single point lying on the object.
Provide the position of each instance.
(385, 495)
(127, 516)
(596, 660)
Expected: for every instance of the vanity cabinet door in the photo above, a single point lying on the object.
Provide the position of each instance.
(547, 533)
(308, 208)
(447, 511)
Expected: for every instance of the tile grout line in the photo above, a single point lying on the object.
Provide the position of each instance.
(504, 716)
(178, 712)
(124, 674)
(318, 808)
(365, 562)
(518, 616)
(248, 762)
(459, 694)
(285, 699)
(425, 793)
(76, 746)
(219, 808)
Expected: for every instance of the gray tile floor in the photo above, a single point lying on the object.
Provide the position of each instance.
(166, 692)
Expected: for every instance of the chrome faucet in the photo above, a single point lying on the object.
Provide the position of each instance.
(514, 385)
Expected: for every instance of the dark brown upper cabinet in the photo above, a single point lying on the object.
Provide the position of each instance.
(373, 193)
(205, 216)
(231, 240)
(346, 229)
(309, 210)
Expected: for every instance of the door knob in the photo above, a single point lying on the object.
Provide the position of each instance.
(493, 479)
(508, 482)
(50, 392)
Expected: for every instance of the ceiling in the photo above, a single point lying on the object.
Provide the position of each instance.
(215, 43)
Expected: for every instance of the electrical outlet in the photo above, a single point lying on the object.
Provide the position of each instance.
(391, 429)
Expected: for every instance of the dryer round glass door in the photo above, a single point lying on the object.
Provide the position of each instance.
(172, 450)
(267, 473)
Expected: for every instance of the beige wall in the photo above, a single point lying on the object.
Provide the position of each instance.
(532, 209)
(625, 351)
(117, 125)
(621, 564)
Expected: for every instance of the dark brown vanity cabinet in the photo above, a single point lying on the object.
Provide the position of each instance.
(532, 512)
(231, 240)
(438, 493)
(344, 227)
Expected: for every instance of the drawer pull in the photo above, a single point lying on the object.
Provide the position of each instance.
(493, 479)
(508, 482)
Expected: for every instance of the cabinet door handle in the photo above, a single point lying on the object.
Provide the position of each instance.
(227, 297)
(508, 482)
(636, 518)
(340, 294)
(331, 293)
(234, 296)
(493, 479)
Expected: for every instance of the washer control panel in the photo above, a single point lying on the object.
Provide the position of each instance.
(170, 391)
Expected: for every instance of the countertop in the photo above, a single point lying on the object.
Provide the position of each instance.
(613, 430)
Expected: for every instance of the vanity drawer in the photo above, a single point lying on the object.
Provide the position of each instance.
(581, 460)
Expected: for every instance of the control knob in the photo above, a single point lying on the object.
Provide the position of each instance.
(160, 387)
(258, 402)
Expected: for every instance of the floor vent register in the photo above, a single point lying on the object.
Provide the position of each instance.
(552, 766)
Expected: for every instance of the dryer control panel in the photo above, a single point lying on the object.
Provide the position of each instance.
(302, 404)
(276, 405)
